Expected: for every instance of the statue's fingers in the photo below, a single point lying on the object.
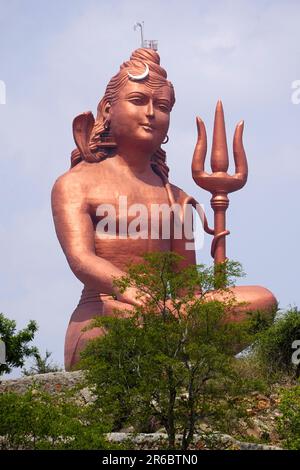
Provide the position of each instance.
(200, 148)
(240, 159)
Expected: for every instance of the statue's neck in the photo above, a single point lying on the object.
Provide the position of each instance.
(136, 162)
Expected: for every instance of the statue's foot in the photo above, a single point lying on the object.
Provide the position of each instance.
(244, 300)
(247, 299)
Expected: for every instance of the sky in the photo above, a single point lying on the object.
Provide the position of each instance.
(55, 61)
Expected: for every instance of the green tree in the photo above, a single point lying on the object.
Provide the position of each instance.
(289, 421)
(38, 420)
(41, 365)
(174, 353)
(17, 346)
(274, 346)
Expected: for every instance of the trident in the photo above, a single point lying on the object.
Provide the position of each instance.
(219, 182)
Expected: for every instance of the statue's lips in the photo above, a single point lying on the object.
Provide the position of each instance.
(147, 127)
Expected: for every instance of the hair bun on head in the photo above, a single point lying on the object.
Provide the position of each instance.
(145, 56)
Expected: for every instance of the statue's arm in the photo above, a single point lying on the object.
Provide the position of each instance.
(74, 228)
(183, 246)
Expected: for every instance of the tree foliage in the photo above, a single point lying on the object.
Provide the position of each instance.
(289, 421)
(16, 343)
(41, 365)
(274, 345)
(38, 420)
(172, 354)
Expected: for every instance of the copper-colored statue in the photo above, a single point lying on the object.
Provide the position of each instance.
(119, 155)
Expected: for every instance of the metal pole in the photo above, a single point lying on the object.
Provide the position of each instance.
(140, 25)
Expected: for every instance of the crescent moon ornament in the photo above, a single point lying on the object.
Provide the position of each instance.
(139, 77)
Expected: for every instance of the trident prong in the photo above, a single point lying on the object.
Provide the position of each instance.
(219, 182)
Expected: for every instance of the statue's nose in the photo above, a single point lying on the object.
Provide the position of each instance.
(150, 109)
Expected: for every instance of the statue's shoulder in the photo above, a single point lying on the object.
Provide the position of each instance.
(179, 194)
(72, 181)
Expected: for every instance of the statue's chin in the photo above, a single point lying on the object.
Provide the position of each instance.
(142, 140)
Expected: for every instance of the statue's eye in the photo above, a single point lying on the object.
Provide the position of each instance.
(163, 107)
(137, 100)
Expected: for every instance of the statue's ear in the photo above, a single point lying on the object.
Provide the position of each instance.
(106, 110)
(103, 110)
(82, 129)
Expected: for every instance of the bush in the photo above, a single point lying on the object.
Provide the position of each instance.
(38, 420)
(41, 365)
(289, 422)
(273, 347)
(16, 344)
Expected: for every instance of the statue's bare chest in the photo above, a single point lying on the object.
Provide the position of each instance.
(129, 193)
(127, 217)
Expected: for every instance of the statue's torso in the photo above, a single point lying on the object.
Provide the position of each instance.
(120, 191)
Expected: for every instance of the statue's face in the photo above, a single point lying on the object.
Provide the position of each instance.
(140, 116)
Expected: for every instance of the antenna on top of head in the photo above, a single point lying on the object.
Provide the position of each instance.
(146, 43)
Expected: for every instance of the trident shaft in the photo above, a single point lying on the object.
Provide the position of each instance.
(219, 182)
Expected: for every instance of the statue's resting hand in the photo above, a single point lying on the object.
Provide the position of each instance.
(131, 296)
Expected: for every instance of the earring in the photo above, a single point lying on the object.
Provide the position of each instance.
(167, 140)
(106, 124)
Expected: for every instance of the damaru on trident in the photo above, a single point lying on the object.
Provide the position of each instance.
(120, 154)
